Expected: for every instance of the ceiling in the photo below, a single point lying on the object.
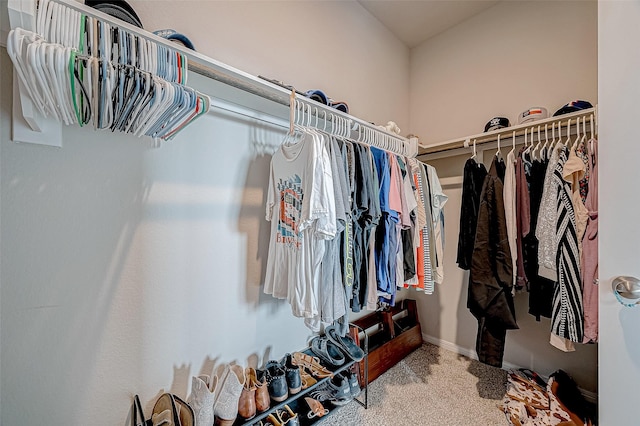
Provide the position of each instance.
(414, 21)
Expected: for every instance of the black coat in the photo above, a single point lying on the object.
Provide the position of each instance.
(491, 280)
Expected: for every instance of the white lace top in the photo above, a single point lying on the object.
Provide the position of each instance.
(546, 227)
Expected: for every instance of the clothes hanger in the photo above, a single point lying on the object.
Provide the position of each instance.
(513, 143)
(498, 153)
(543, 150)
(592, 135)
(473, 157)
(530, 146)
(577, 141)
(566, 143)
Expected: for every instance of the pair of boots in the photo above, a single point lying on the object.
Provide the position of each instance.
(254, 397)
(217, 398)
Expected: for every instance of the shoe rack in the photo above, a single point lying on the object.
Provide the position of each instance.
(392, 335)
(297, 403)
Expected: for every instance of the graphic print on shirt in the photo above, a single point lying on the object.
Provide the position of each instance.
(290, 190)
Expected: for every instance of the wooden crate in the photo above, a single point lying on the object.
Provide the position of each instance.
(393, 334)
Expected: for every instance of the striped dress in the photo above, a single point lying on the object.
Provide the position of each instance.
(567, 320)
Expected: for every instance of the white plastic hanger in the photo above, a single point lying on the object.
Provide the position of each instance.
(530, 146)
(498, 153)
(473, 157)
(513, 143)
(568, 141)
(577, 140)
(543, 150)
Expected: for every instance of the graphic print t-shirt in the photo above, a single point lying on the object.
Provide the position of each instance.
(301, 208)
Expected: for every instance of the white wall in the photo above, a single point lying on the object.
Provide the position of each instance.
(126, 269)
(337, 47)
(619, 233)
(511, 57)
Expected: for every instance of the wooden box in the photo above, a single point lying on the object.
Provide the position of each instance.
(393, 334)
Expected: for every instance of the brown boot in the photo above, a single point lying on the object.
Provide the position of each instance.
(247, 403)
(263, 400)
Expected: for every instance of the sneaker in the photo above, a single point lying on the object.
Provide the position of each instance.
(335, 390)
(276, 381)
(354, 386)
(292, 374)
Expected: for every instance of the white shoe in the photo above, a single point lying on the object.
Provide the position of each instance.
(226, 402)
(201, 399)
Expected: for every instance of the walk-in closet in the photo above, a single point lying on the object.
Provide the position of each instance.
(153, 163)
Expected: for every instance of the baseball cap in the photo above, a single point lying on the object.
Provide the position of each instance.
(318, 96)
(118, 9)
(572, 107)
(496, 123)
(176, 37)
(533, 114)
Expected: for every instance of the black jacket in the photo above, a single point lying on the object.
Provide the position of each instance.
(491, 279)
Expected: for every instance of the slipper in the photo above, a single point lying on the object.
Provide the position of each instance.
(165, 411)
(327, 351)
(185, 412)
(345, 343)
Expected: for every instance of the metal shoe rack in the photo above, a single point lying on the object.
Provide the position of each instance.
(296, 402)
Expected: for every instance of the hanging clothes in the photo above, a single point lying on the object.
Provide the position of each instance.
(427, 272)
(589, 260)
(367, 216)
(546, 227)
(301, 208)
(332, 296)
(523, 220)
(541, 289)
(474, 174)
(510, 212)
(491, 279)
(438, 201)
(407, 257)
(567, 320)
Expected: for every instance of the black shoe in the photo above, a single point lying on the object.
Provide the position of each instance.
(292, 374)
(276, 381)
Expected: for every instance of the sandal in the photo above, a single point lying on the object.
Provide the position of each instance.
(307, 379)
(345, 343)
(165, 411)
(327, 351)
(185, 412)
(312, 364)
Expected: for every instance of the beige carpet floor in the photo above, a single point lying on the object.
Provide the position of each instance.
(432, 386)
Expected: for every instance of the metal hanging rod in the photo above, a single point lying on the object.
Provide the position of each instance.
(454, 146)
(233, 77)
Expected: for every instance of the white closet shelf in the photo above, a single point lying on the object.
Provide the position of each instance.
(461, 145)
(230, 76)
